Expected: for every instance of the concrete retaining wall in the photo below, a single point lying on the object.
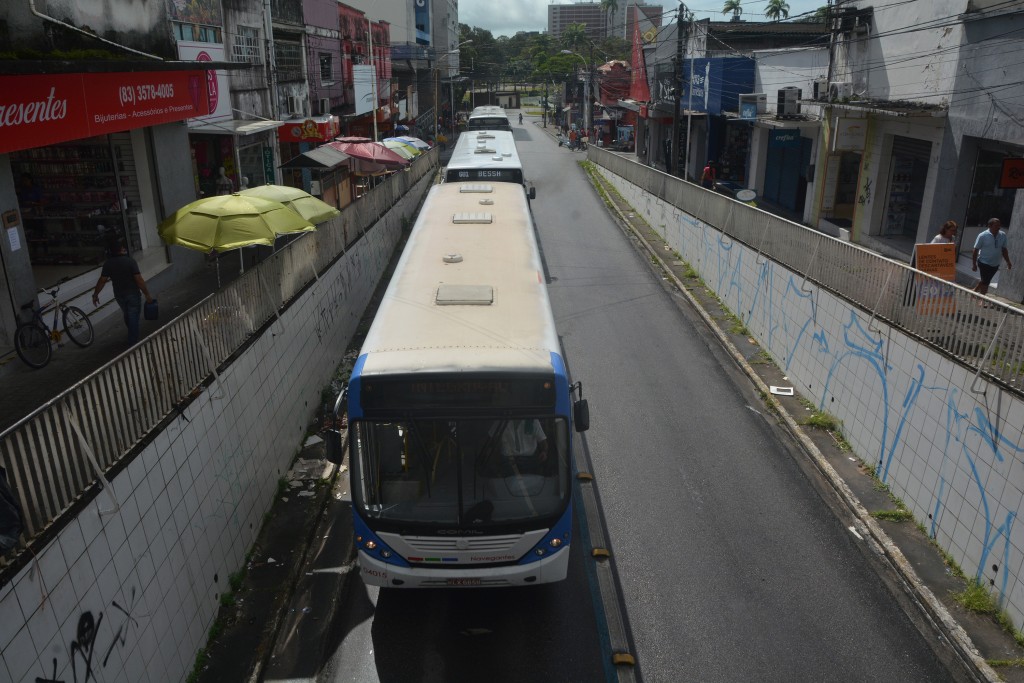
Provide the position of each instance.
(128, 589)
(950, 448)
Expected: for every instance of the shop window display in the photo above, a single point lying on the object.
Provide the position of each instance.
(74, 198)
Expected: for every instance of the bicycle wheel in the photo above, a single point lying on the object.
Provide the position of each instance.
(32, 342)
(78, 326)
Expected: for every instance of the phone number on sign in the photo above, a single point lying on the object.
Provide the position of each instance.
(145, 93)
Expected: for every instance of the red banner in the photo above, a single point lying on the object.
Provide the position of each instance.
(1012, 177)
(310, 130)
(43, 109)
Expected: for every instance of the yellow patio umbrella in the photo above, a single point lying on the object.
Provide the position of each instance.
(227, 222)
(299, 201)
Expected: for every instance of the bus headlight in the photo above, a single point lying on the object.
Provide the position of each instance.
(539, 551)
(555, 543)
(385, 554)
(370, 545)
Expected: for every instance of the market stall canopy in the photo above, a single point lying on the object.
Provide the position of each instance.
(352, 138)
(415, 142)
(323, 157)
(370, 151)
(401, 148)
(299, 201)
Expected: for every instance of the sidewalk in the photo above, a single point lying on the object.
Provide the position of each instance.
(26, 389)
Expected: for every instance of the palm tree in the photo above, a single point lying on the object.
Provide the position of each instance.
(777, 9)
(608, 7)
(734, 7)
(574, 36)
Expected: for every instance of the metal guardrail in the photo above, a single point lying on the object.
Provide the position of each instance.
(980, 332)
(59, 451)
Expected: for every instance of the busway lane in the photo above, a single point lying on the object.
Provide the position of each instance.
(732, 567)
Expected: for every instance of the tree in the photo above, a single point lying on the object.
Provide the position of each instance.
(776, 10)
(574, 37)
(734, 7)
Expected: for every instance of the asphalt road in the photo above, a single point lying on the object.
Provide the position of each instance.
(732, 566)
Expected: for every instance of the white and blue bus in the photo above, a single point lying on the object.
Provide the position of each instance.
(488, 117)
(488, 156)
(460, 407)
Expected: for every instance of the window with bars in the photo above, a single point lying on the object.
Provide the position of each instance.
(289, 60)
(326, 70)
(246, 45)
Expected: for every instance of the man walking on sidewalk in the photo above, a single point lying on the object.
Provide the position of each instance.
(988, 248)
(122, 270)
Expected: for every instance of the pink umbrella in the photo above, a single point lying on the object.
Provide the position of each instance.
(370, 151)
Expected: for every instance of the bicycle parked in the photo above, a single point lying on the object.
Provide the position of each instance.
(34, 340)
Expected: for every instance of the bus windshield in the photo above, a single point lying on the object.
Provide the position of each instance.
(464, 472)
(489, 123)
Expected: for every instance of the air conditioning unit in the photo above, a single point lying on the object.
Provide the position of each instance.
(324, 105)
(294, 106)
(789, 102)
(820, 89)
(752, 104)
(840, 90)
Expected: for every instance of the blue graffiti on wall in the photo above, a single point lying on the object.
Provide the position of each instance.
(789, 328)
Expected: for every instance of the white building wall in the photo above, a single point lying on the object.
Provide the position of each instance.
(949, 453)
(776, 69)
(399, 14)
(126, 592)
(905, 58)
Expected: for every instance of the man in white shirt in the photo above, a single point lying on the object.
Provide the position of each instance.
(990, 245)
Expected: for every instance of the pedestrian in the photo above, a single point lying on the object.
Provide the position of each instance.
(123, 272)
(947, 233)
(572, 139)
(990, 245)
(709, 176)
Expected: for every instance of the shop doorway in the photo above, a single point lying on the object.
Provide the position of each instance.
(908, 171)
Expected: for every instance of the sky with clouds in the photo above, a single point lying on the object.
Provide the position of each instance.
(506, 17)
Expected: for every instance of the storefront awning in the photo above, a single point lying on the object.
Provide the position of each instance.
(239, 127)
(628, 104)
(322, 158)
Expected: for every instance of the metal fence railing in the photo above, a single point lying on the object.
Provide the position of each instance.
(984, 334)
(60, 450)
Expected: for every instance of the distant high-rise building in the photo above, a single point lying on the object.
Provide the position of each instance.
(599, 23)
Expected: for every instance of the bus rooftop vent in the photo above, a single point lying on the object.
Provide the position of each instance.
(484, 150)
(465, 295)
(482, 136)
(464, 217)
(481, 188)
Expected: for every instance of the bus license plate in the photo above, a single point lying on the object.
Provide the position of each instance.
(463, 582)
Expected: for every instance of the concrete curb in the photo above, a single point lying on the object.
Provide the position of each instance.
(932, 608)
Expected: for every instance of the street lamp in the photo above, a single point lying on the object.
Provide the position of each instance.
(586, 89)
(437, 80)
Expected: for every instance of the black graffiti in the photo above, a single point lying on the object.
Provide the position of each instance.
(121, 637)
(84, 646)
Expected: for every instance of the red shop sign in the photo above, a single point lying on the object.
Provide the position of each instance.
(310, 130)
(44, 109)
(1012, 177)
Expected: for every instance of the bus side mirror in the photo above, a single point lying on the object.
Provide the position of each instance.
(332, 442)
(581, 415)
(532, 192)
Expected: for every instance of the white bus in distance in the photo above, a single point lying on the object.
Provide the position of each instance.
(488, 117)
(460, 408)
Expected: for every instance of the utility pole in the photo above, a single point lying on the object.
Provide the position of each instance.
(373, 83)
(677, 76)
(689, 100)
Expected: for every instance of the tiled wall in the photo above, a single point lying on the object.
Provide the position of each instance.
(128, 590)
(951, 449)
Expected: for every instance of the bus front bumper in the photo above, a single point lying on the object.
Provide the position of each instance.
(553, 568)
